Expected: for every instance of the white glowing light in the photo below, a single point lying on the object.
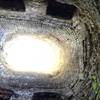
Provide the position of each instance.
(32, 54)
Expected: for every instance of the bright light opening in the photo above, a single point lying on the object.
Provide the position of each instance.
(26, 53)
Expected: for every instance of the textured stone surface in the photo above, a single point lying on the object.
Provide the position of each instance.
(81, 33)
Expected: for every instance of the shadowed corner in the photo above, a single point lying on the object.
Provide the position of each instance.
(61, 10)
(14, 5)
(48, 96)
(5, 94)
